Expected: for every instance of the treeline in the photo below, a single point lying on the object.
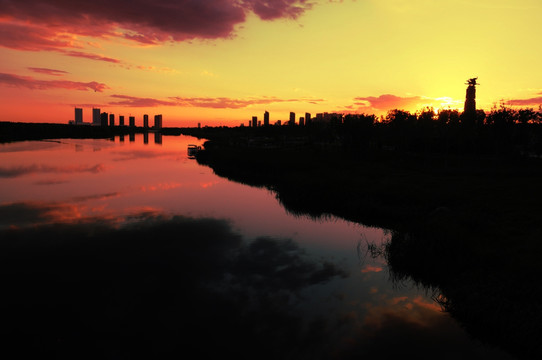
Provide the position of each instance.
(503, 131)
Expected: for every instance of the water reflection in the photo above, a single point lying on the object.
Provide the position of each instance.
(138, 250)
(151, 285)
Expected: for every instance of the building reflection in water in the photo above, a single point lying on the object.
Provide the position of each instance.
(158, 138)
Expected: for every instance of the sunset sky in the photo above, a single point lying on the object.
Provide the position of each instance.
(220, 62)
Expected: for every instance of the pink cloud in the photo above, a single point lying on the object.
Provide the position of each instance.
(534, 101)
(30, 37)
(35, 84)
(204, 102)
(387, 101)
(144, 21)
(48, 71)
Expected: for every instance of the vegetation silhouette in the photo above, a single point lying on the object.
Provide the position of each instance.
(460, 194)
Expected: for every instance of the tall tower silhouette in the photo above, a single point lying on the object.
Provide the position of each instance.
(470, 99)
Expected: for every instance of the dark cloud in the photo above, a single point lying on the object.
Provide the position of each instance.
(204, 102)
(144, 21)
(21, 170)
(35, 84)
(275, 9)
(48, 71)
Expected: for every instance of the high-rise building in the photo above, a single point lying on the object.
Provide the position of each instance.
(121, 120)
(301, 121)
(111, 120)
(266, 118)
(131, 121)
(96, 116)
(307, 118)
(254, 121)
(103, 119)
(146, 121)
(158, 122)
(78, 116)
(292, 118)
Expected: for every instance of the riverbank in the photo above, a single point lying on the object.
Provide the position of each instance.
(466, 227)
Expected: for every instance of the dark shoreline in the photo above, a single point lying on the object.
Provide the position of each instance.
(17, 131)
(465, 227)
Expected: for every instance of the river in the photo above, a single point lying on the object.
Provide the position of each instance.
(146, 252)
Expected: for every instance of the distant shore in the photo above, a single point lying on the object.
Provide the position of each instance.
(18, 131)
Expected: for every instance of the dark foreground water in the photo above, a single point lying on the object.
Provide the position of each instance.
(127, 248)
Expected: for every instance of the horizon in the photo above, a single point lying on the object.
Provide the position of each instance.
(221, 63)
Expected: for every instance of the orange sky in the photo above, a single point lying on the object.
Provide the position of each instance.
(220, 62)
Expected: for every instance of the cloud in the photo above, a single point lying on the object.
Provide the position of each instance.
(133, 101)
(48, 71)
(383, 103)
(96, 197)
(204, 102)
(143, 21)
(85, 55)
(31, 37)
(270, 10)
(387, 101)
(526, 102)
(21, 170)
(35, 84)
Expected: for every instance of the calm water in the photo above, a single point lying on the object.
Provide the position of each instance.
(237, 274)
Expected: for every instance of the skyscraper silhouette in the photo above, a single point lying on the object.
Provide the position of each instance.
(96, 116)
(78, 116)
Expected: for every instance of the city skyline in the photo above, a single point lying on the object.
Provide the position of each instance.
(242, 58)
(104, 118)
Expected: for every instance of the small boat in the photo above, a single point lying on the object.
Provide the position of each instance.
(193, 150)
